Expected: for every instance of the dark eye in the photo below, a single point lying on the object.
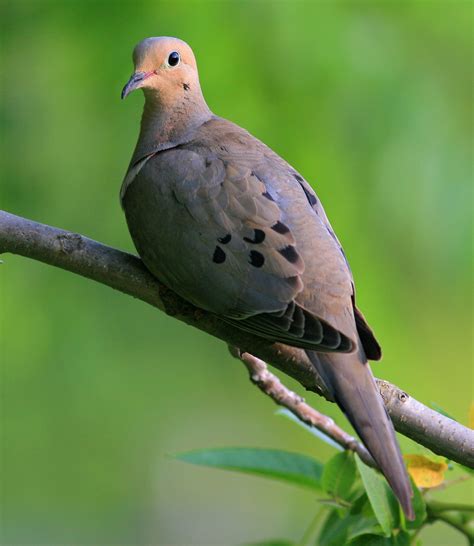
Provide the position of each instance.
(173, 58)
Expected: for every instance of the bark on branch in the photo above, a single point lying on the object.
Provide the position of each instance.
(269, 384)
(126, 273)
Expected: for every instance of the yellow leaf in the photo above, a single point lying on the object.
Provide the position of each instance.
(424, 471)
(471, 415)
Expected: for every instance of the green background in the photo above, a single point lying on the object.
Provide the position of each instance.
(372, 102)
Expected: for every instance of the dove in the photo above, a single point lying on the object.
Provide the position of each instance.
(230, 226)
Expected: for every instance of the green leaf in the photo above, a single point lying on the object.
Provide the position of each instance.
(339, 475)
(361, 505)
(401, 539)
(419, 506)
(381, 498)
(335, 529)
(371, 540)
(333, 503)
(271, 463)
(364, 526)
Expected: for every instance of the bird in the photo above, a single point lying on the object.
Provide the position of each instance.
(222, 220)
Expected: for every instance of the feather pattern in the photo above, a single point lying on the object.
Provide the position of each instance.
(234, 217)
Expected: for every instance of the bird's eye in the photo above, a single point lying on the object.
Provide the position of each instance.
(174, 58)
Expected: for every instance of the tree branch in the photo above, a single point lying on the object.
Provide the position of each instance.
(272, 387)
(127, 274)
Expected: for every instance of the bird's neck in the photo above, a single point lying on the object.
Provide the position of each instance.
(169, 124)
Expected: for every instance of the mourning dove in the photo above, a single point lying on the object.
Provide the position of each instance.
(227, 224)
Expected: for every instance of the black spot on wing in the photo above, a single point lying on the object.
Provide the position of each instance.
(218, 256)
(310, 196)
(290, 254)
(226, 239)
(331, 233)
(312, 199)
(281, 228)
(298, 177)
(257, 259)
(268, 196)
(258, 237)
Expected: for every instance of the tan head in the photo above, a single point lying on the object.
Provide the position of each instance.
(164, 67)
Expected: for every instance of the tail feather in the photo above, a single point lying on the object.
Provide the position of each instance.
(349, 378)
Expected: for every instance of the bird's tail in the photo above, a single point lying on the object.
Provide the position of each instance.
(349, 379)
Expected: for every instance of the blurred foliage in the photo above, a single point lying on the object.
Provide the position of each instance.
(371, 101)
(356, 505)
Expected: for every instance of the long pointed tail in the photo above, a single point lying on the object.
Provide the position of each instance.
(349, 378)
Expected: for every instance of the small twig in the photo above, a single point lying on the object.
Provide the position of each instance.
(438, 506)
(273, 387)
(452, 519)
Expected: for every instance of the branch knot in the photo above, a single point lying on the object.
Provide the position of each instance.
(70, 242)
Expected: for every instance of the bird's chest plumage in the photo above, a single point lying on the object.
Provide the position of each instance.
(160, 229)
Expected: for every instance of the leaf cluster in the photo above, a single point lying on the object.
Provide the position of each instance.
(356, 505)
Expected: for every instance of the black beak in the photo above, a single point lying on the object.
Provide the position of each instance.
(135, 82)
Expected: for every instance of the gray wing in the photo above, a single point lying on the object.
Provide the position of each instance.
(213, 231)
(370, 344)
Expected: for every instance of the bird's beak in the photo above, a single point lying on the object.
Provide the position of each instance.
(135, 82)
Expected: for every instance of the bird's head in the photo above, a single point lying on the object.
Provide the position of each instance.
(164, 67)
